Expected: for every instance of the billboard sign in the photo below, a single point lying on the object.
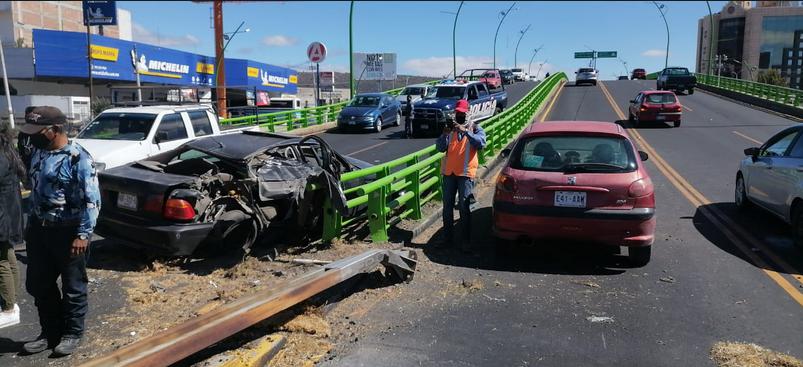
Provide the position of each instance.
(376, 66)
(252, 74)
(327, 81)
(100, 12)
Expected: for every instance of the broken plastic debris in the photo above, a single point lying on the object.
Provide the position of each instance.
(667, 279)
(603, 319)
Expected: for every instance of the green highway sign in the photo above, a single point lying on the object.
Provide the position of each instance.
(611, 54)
(584, 55)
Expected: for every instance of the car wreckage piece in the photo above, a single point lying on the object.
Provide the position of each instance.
(181, 341)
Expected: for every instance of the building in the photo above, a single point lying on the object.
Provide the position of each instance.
(751, 40)
(18, 19)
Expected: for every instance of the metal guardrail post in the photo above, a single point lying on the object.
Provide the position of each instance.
(415, 185)
(332, 222)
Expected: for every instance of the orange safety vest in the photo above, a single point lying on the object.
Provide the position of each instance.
(461, 158)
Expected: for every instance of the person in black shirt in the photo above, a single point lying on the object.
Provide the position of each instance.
(12, 170)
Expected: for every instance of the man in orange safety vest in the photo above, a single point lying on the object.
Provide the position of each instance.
(461, 140)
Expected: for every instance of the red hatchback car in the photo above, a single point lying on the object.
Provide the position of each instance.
(576, 180)
(655, 105)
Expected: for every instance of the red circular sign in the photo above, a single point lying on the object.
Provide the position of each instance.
(316, 52)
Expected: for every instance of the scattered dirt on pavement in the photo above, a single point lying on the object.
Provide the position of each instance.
(307, 340)
(729, 354)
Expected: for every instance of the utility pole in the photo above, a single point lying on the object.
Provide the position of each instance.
(89, 63)
(351, 52)
(710, 37)
(504, 15)
(220, 73)
(5, 86)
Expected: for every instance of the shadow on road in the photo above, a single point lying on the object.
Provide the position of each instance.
(774, 235)
(548, 257)
(644, 125)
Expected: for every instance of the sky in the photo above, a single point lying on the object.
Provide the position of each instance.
(420, 32)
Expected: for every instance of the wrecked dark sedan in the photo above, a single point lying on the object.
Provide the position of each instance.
(223, 193)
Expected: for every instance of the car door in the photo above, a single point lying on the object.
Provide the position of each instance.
(762, 177)
(170, 133)
(387, 112)
(785, 177)
(634, 107)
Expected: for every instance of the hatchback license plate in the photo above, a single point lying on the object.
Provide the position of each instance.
(572, 199)
(424, 127)
(661, 117)
(127, 201)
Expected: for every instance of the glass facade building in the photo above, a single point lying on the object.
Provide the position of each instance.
(781, 41)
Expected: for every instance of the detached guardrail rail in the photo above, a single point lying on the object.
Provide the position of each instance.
(400, 188)
(778, 94)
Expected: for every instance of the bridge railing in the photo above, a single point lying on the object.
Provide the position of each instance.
(399, 189)
(294, 119)
(778, 94)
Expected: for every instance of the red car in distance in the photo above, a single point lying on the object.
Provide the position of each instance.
(638, 74)
(579, 181)
(655, 105)
(492, 78)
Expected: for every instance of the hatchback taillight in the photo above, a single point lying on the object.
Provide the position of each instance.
(178, 209)
(506, 183)
(642, 192)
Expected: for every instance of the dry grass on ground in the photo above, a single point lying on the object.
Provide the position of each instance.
(729, 354)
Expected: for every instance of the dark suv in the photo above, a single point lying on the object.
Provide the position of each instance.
(507, 76)
(638, 74)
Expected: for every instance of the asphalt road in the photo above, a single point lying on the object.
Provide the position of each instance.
(556, 305)
(390, 143)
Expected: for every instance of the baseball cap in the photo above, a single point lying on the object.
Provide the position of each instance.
(41, 117)
(462, 106)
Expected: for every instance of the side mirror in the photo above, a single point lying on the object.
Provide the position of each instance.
(752, 152)
(643, 155)
(505, 153)
(160, 137)
(632, 101)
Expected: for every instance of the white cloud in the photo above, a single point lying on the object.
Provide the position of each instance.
(145, 35)
(279, 41)
(440, 66)
(654, 53)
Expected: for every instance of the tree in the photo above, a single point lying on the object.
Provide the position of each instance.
(773, 77)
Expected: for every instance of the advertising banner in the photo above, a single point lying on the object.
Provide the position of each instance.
(375, 66)
(100, 12)
(327, 80)
(252, 74)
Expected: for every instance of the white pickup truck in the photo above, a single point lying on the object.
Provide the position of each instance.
(122, 135)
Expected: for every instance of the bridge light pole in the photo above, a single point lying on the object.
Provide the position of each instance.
(539, 68)
(351, 53)
(710, 37)
(624, 63)
(660, 8)
(454, 42)
(516, 52)
(535, 52)
(504, 15)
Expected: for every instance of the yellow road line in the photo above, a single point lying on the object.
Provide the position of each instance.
(368, 148)
(545, 116)
(748, 138)
(715, 216)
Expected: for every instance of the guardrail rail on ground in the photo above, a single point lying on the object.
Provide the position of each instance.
(399, 189)
(778, 94)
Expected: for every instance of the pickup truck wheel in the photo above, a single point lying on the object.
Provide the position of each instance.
(639, 256)
(498, 110)
(378, 125)
(691, 91)
(398, 119)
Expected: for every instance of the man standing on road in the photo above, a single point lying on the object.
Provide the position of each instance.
(65, 200)
(408, 120)
(460, 141)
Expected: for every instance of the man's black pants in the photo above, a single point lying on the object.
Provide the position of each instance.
(61, 313)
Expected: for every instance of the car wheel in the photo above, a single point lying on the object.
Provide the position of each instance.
(639, 256)
(677, 123)
(630, 117)
(378, 125)
(498, 110)
(691, 91)
(797, 225)
(740, 194)
(595, 83)
(398, 118)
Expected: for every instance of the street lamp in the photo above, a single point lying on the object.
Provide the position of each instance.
(710, 37)
(539, 68)
(229, 35)
(504, 15)
(516, 52)
(454, 39)
(351, 53)
(530, 66)
(661, 10)
(624, 63)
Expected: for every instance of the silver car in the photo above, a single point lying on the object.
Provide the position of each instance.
(586, 76)
(771, 177)
(416, 90)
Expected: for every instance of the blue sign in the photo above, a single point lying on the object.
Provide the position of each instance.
(100, 12)
(63, 54)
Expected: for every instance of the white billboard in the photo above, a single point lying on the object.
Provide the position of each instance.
(327, 79)
(375, 66)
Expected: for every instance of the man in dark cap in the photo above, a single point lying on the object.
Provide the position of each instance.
(65, 200)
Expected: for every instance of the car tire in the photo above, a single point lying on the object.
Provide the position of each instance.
(498, 110)
(378, 125)
(398, 118)
(691, 91)
(797, 225)
(639, 256)
(594, 83)
(677, 123)
(740, 194)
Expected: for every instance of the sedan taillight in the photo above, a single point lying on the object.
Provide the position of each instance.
(178, 209)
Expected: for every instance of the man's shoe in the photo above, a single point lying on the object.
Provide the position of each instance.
(10, 318)
(37, 345)
(67, 346)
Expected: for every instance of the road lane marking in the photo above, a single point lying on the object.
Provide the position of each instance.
(717, 217)
(687, 108)
(367, 148)
(552, 103)
(748, 138)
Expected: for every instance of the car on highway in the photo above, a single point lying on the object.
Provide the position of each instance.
(532, 78)
(416, 91)
(519, 75)
(223, 193)
(622, 77)
(770, 177)
(507, 76)
(370, 111)
(638, 73)
(491, 77)
(586, 76)
(678, 79)
(577, 181)
(655, 105)
(431, 114)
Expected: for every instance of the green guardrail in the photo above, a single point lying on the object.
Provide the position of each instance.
(788, 96)
(398, 189)
(294, 119)
(653, 76)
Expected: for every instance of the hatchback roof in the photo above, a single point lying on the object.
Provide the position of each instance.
(575, 127)
(658, 92)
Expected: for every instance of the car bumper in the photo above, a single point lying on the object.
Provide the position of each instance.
(660, 116)
(632, 228)
(428, 127)
(163, 240)
(356, 125)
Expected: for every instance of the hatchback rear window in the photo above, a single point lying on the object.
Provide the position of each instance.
(638, 70)
(661, 98)
(579, 153)
(586, 70)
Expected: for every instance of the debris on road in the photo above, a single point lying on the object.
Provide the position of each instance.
(600, 319)
(589, 283)
(730, 354)
(494, 298)
(667, 279)
(473, 285)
